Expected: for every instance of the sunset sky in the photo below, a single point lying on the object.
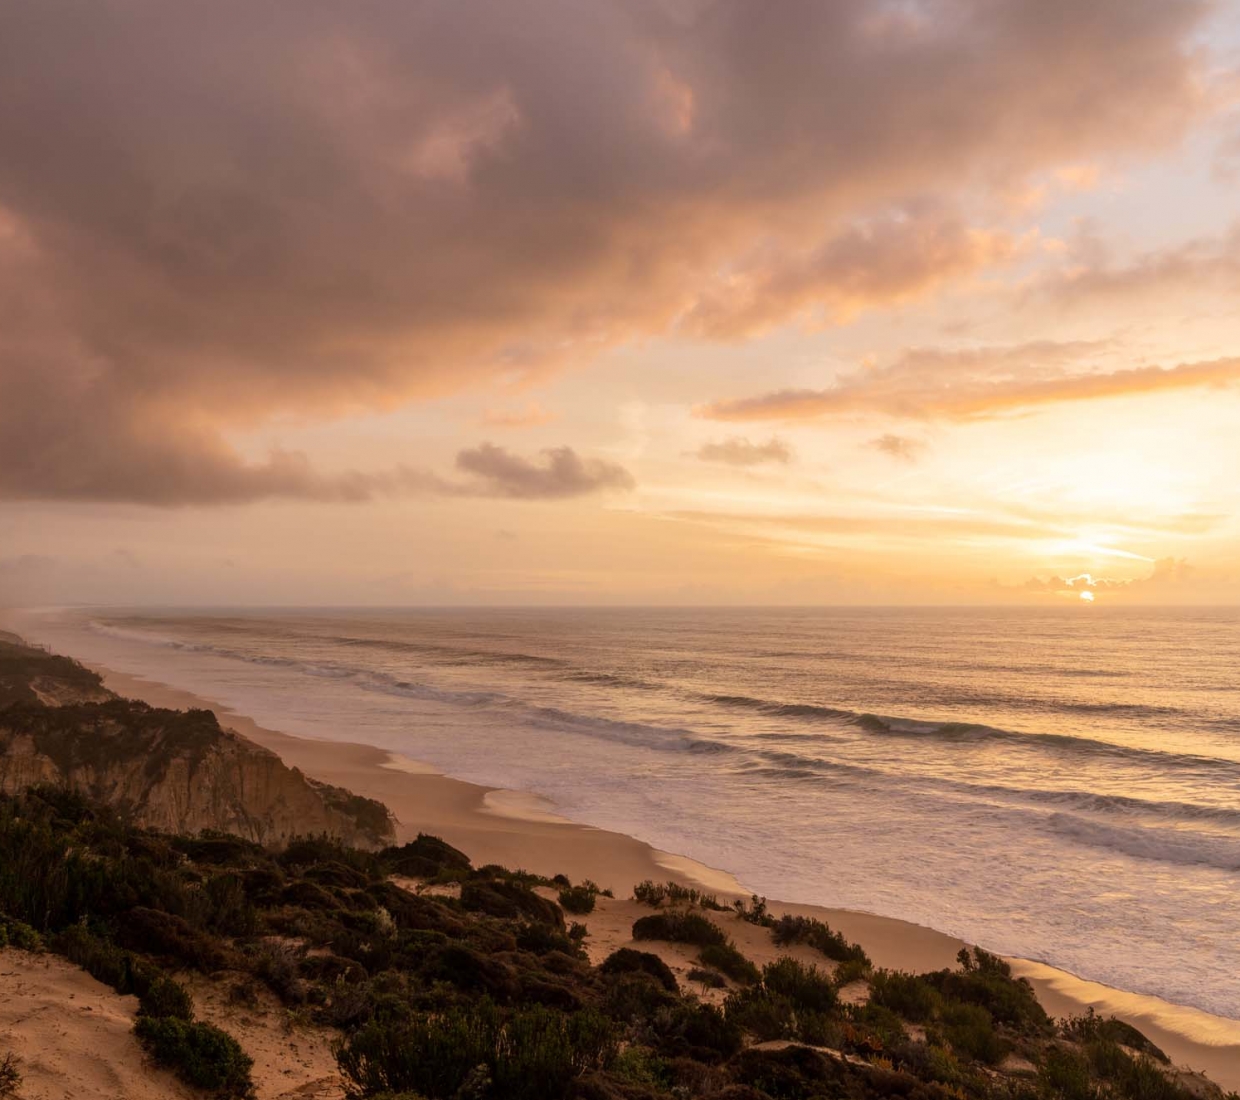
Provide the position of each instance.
(653, 301)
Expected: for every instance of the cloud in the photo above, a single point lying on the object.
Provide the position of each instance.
(562, 473)
(1092, 276)
(314, 209)
(974, 384)
(738, 451)
(1167, 573)
(902, 255)
(163, 472)
(902, 447)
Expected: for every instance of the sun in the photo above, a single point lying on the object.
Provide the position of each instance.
(1088, 597)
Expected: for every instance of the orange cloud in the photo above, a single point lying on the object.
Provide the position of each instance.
(738, 451)
(315, 209)
(901, 256)
(972, 384)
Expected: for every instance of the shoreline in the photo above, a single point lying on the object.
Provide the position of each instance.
(522, 830)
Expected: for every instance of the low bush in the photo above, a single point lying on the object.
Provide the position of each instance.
(987, 981)
(531, 1054)
(763, 1014)
(166, 997)
(10, 1075)
(509, 900)
(200, 1054)
(279, 966)
(425, 857)
(16, 933)
(655, 894)
(971, 1032)
(792, 1001)
(172, 938)
(679, 928)
(819, 935)
(709, 979)
(1065, 1075)
(725, 958)
(578, 899)
(906, 995)
(1091, 1028)
(755, 912)
(806, 987)
(626, 960)
(702, 1032)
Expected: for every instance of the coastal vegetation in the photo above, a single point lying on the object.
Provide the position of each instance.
(491, 994)
(440, 980)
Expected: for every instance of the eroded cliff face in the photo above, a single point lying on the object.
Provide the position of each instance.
(173, 770)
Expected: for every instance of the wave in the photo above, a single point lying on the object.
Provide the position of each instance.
(639, 734)
(1163, 845)
(977, 733)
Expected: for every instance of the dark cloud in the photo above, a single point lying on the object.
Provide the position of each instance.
(562, 473)
(214, 214)
(975, 383)
(739, 451)
(902, 447)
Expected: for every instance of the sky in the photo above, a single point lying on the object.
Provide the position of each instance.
(651, 302)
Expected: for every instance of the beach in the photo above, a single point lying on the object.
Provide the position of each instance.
(520, 831)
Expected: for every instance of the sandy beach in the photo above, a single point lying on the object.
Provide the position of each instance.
(521, 831)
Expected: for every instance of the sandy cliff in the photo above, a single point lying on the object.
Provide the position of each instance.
(173, 770)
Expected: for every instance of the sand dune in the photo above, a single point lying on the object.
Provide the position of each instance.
(74, 1035)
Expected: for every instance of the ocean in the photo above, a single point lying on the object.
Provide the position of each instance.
(1060, 784)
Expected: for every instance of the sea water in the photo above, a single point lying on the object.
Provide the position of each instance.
(1061, 784)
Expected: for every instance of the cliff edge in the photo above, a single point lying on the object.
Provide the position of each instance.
(176, 771)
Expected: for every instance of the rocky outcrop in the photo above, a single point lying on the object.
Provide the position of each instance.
(177, 771)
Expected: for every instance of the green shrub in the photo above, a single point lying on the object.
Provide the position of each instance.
(1065, 1074)
(726, 958)
(643, 1067)
(200, 1054)
(100, 958)
(755, 912)
(792, 1001)
(531, 1054)
(577, 899)
(655, 893)
(679, 928)
(710, 979)
(425, 857)
(279, 965)
(155, 932)
(806, 987)
(16, 933)
(971, 1032)
(906, 995)
(987, 981)
(509, 900)
(626, 960)
(1093, 1028)
(819, 935)
(166, 997)
(702, 1032)
(10, 1075)
(762, 1013)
